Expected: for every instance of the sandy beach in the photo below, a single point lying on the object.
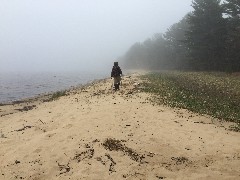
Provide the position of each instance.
(95, 133)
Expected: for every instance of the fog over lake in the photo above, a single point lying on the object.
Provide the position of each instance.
(76, 35)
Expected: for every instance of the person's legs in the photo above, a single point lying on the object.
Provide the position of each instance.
(117, 82)
(117, 86)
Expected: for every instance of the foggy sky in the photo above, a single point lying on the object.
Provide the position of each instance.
(76, 35)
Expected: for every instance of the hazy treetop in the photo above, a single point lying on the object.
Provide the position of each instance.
(54, 35)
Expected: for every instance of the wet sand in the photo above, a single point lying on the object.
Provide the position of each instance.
(93, 133)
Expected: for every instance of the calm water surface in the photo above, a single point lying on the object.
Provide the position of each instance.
(16, 86)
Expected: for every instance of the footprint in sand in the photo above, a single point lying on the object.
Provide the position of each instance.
(38, 150)
(68, 126)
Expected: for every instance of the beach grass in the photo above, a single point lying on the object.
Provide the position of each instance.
(211, 93)
(57, 95)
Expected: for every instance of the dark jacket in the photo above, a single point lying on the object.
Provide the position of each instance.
(116, 71)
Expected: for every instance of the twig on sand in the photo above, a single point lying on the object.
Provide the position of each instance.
(113, 163)
(41, 121)
(25, 127)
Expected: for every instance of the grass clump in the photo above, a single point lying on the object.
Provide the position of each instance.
(57, 95)
(215, 94)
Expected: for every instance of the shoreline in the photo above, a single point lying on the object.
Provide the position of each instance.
(30, 85)
(26, 104)
(11, 107)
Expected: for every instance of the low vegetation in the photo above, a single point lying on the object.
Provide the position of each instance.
(215, 94)
(57, 95)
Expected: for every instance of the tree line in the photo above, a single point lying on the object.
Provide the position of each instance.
(206, 39)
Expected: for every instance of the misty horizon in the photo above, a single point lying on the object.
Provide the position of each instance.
(78, 35)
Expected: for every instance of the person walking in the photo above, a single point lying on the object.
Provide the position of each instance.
(116, 74)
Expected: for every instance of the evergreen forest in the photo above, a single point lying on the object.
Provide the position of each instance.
(206, 39)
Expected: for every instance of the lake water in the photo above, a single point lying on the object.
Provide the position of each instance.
(16, 86)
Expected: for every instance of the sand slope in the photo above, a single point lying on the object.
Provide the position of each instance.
(96, 134)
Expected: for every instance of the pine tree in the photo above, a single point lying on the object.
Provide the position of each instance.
(232, 10)
(232, 7)
(206, 35)
(175, 37)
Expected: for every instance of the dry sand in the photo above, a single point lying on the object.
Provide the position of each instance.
(94, 133)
